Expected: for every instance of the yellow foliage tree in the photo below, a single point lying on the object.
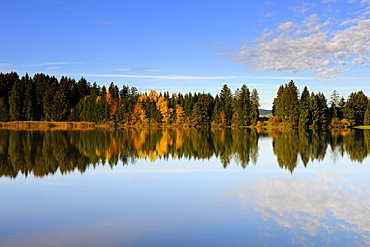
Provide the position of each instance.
(166, 112)
(142, 98)
(153, 96)
(179, 114)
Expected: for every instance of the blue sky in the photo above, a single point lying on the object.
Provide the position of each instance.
(192, 46)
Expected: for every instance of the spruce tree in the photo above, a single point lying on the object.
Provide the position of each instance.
(16, 102)
(255, 104)
(367, 114)
(226, 103)
(28, 104)
(244, 106)
(4, 115)
(355, 108)
(305, 110)
(291, 104)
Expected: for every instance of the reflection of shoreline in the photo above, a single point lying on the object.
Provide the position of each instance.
(45, 152)
(323, 204)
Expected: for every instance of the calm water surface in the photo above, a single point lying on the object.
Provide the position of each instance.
(184, 188)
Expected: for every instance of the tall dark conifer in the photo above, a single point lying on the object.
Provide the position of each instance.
(355, 108)
(16, 102)
(305, 110)
(255, 104)
(244, 106)
(226, 99)
(367, 114)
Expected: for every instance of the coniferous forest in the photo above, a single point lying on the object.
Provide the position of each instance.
(45, 98)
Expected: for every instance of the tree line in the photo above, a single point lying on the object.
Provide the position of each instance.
(45, 98)
(312, 111)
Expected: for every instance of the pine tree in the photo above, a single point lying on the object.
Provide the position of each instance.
(334, 104)
(304, 110)
(60, 109)
(367, 114)
(244, 106)
(291, 104)
(28, 105)
(4, 115)
(255, 104)
(200, 116)
(355, 108)
(16, 102)
(226, 103)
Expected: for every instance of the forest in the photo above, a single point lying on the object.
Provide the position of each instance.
(45, 98)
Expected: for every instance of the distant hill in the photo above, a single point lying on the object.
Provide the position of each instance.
(264, 112)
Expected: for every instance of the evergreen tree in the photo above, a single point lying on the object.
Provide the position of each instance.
(82, 88)
(367, 114)
(16, 102)
(244, 106)
(341, 108)
(60, 107)
(291, 105)
(305, 110)
(216, 110)
(28, 103)
(278, 103)
(226, 103)
(355, 108)
(49, 93)
(200, 116)
(41, 83)
(334, 105)
(255, 104)
(286, 104)
(4, 115)
(319, 112)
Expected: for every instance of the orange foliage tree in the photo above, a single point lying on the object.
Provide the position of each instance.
(139, 115)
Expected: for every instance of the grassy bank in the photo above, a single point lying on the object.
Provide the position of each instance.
(46, 125)
(363, 127)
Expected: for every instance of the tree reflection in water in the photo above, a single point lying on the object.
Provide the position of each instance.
(45, 152)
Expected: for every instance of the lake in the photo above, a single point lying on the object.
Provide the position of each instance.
(184, 188)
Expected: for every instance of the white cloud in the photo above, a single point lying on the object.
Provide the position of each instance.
(229, 77)
(138, 69)
(327, 48)
(304, 8)
(45, 64)
(3, 65)
(285, 26)
(187, 77)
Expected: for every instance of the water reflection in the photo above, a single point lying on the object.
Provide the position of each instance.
(326, 206)
(45, 152)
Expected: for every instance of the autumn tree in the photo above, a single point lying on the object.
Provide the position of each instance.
(166, 112)
(179, 114)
